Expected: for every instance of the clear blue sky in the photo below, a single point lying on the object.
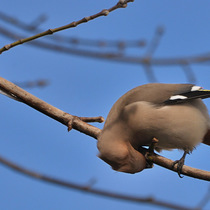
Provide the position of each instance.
(89, 87)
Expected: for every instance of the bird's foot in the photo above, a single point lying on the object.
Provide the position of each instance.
(180, 164)
(153, 145)
(149, 163)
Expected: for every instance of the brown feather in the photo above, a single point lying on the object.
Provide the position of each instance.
(206, 139)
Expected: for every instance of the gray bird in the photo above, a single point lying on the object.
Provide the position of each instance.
(172, 113)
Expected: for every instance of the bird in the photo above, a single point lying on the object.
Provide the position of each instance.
(174, 114)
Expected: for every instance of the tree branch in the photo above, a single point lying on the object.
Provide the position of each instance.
(104, 12)
(167, 163)
(32, 84)
(28, 27)
(204, 200)
(76, 123)
(191, 59)
(71, 185)
(73, 40)
(47, 109)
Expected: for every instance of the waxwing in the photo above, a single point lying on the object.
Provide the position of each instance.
(174, 114)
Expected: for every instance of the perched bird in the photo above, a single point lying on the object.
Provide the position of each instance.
(172, 113)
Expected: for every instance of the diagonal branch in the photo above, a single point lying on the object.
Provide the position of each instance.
(32, 84)
(72, 40)
(204, 200)
(104, 12)
(47, 109)
(71, 185)
(28, 27)
(155, 42)
(189, 73)
(167, 163)
(203, 58)
(76, 123)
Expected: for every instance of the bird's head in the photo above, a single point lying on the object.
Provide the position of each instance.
(122, 157)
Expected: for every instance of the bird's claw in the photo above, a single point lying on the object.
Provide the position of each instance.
(153, 145)
(149, 163)
(180, 164)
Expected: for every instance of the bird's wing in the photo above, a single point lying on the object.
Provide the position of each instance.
(206, 139)
(195, 92)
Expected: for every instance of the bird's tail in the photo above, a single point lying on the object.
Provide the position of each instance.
(206, 139)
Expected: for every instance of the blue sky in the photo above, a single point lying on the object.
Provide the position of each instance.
(89, 87)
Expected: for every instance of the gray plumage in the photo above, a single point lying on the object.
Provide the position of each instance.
(142, 114)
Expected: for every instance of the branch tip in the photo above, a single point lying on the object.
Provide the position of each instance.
(120, 4)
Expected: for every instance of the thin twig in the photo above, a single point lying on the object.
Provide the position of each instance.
(189, 73)
(196, 59)
(153, 45)
(71, 185)
(35, 23)
(149, 73)
(104, 12)
(99, 119)
(16, 22)
(72, 40)
(204, 200)
(150, 52)
(32, 84)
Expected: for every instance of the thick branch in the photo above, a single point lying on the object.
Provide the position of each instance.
(47, 109)
(167, 163)
(71, 185)
(76, 123)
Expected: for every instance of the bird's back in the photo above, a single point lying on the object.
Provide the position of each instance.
(155, 93)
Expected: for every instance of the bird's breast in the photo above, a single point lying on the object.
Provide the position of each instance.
(180, 126)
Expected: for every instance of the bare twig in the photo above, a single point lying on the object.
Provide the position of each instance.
(73, 40)
(62, 49)
(104, 12)
(88, 189)
(153, 45)
(35, 23)
(99, 119)
(189, 73)
(28, 27)
(150, 52)
(149, 73)
(196, 59)
(204, 200)
(76, 123)
(32, 84)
